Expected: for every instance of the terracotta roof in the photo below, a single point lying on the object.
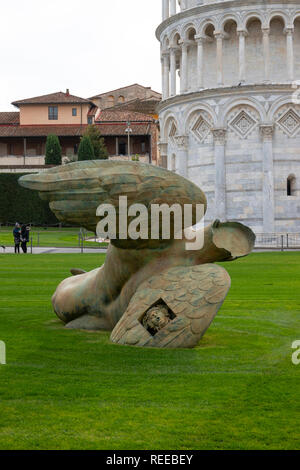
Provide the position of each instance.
(110, 122)
(9, 118)
(53, 98)
(106, 129)
(147, 106)
(41, 131)
(119, 115)
(124, 88)
(93, 111)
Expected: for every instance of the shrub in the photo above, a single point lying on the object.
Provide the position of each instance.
(53, 151)
(100, 150)
(18, 204)
(85, 151)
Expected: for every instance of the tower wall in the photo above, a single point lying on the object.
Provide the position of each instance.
(230, 115)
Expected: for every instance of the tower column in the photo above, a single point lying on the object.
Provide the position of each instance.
(290, 52)
(267, 131)
(219, 135)
(183, 5)
(184, 67)
(173, 70)
(242, 56)
(219, 38)
(165, 76)
(173, 7)
(200, 43)
(182, 154)
(163, 151)
(165, 9)
(266, 47)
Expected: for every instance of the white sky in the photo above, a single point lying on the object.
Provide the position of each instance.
(88, 46)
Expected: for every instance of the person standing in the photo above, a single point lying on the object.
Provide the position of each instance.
(24, 237)
(17, 237)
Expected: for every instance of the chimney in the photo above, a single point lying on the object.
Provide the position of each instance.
(68, 92)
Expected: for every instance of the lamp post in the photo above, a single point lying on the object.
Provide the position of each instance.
(128, 132)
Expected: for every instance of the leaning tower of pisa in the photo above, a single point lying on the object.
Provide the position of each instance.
(230, 114)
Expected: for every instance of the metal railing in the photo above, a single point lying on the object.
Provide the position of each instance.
(278, 241)
(60, 239)
(82, 240)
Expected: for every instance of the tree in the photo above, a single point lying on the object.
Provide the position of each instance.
(86, 151)
(53, 151)
(100, 150)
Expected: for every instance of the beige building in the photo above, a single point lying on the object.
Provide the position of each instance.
(23, 134)
(124, 95)
(57, 108)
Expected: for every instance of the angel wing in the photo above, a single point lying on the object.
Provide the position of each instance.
(75, 191)
(192, 295)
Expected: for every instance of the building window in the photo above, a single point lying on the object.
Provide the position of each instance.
(90, 120)
(74, 112)
(53, 113)
(143, 147)
(291, 185)
(110, 101)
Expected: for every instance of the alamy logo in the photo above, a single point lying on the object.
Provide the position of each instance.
(296, 355)
(2, 353)
(160, 221)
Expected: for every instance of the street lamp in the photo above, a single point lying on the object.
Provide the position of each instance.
(128, 132)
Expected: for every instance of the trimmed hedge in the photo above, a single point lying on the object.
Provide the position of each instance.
(53, 150)
(22, 205)
(86, 150)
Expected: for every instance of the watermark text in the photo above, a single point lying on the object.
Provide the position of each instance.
(296, 354)
(2, 353)
(158, 222)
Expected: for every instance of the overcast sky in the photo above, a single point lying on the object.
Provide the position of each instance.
(88, 46)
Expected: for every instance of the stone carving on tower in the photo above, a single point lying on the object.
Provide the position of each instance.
(231, 81)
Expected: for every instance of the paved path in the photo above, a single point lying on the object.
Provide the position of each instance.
(53, 250)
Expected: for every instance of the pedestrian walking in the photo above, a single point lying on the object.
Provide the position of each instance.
(24, 237)
(17, 237)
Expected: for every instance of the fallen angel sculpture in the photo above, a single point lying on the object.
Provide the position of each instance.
(149, 293)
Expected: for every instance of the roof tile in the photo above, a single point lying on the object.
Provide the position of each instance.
(9, 118)
(53, 98)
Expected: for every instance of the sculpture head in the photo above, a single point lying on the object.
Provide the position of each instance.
(156, 318)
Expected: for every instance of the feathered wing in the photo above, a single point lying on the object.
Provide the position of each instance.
(75, 191)
(194, 295)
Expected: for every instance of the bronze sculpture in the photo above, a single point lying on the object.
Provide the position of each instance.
(151, 293)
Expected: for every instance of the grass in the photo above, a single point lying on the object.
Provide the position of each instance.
(61, 238)
(74, 390)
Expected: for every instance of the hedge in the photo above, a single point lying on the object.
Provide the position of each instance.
(86, 150)
(53, 150)
(22, 205)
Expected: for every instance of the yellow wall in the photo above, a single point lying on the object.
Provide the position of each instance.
(38, 114)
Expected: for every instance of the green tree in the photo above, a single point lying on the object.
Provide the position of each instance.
(100, 150)
(86, 151)
(53, 151)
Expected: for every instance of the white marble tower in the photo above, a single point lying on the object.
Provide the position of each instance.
(230, 115)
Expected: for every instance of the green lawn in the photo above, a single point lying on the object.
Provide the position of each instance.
(67, 389)
(51, 237)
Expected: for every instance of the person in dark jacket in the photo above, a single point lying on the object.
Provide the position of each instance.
(24, 237)
(17, 237)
